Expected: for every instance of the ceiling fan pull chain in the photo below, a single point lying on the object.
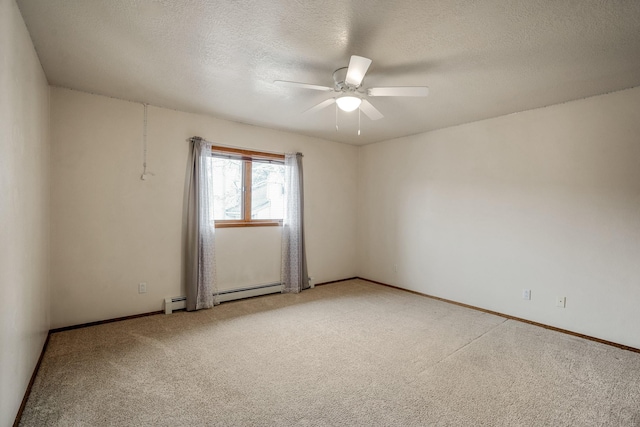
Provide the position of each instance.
(336, 117)
(358, 122)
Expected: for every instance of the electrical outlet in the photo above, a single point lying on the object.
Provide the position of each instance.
(142, 288)
(561, 302)
(526, 294)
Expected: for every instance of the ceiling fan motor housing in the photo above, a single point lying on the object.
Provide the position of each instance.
(340, 85)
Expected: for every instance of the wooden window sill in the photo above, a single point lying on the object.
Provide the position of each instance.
(230, 224)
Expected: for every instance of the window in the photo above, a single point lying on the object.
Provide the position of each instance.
(248, 187)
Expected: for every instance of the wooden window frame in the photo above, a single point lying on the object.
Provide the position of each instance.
(248, 156)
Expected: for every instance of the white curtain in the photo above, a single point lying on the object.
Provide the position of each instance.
(294, 275)
(201, 267)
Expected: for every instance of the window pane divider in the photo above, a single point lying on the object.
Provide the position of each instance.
(246, 205)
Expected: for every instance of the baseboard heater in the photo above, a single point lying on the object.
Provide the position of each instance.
(179, 303)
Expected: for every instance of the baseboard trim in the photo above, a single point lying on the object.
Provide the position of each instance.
(519, 319)
(336, 281)
(27, 392)
(152, 313)
(102, 322)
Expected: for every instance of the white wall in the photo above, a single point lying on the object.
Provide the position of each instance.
(110, 230)
(547, 200)
(24, 210)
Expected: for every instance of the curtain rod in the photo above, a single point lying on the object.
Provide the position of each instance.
(193, 138)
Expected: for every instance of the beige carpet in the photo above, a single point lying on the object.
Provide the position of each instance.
(345, 354)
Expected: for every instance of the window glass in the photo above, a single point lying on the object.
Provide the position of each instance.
(227, 188)
(267, 190)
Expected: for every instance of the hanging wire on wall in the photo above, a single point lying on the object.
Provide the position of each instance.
(145, 174)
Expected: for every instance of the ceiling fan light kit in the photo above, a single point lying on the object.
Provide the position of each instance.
(348, 103)
(347, 83)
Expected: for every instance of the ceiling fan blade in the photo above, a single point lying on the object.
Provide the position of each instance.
(320, 106)
(302, 85)
(398, 91)
(370, 111)
(358, 66)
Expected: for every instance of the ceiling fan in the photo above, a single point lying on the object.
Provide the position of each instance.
(350, 94)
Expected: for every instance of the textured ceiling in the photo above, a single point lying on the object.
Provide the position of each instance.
(480, 59)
